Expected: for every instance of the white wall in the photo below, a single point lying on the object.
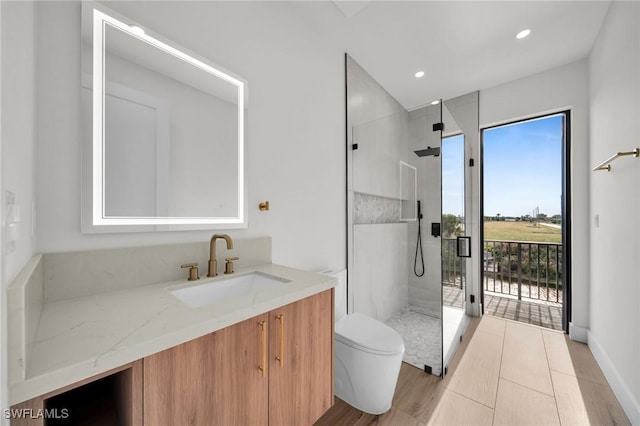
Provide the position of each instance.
(4, 372)
(555, 90)
(18, 126)
(295, 124)
(614, 86)
(17, 136)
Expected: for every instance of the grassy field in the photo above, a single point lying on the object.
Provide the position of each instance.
(521, 231)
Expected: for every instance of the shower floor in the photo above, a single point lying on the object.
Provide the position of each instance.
(422, 335)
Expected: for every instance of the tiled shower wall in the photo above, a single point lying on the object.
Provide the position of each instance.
(425, 292)
(378, 272)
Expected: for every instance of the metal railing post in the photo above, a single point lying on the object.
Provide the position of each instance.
(519, 271)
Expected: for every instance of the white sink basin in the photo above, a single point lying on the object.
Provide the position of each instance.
(218, 291)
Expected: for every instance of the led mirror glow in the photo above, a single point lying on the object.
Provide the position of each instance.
(127, 45)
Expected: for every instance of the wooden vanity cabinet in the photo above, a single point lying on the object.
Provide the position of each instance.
(274, 369)
(112, 398)
(216, 379)
(212, 380)
(301, 361)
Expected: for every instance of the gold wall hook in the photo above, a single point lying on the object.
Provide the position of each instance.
(263, 206)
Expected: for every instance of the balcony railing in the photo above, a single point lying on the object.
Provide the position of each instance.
(524, 269)
(518, 269)
(452, 265)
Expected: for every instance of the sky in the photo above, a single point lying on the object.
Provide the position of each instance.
(522, 169)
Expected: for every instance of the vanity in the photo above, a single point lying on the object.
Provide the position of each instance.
(148, 355)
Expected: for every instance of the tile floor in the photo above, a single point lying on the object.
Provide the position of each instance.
(422, 336)
(505, 373)
(536, 313)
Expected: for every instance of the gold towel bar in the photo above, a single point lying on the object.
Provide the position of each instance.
(605, 165)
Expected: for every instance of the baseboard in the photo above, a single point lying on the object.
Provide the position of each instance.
(629, 404)
(579, 334)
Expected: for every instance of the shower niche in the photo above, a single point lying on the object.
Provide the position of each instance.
(398, 272)
(408, 192)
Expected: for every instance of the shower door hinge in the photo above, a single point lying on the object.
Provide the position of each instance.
(354, 146)
(438, 126)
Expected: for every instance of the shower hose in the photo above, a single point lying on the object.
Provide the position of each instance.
(419, 247)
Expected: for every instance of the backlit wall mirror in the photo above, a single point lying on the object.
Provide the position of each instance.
(163, 132)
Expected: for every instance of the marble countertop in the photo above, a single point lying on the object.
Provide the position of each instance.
(81, 337)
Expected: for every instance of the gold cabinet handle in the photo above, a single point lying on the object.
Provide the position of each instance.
(263, 367)
(280, 358)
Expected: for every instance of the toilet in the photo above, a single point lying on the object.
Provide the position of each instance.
(368, 356)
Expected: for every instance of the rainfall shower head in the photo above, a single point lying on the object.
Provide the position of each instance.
(428, 152)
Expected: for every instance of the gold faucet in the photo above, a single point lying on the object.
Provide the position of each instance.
(213, 263)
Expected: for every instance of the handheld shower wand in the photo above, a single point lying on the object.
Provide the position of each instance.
(419, 246)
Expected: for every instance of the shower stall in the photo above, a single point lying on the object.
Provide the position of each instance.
(407, 216)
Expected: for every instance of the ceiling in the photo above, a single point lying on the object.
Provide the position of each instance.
(462, 46)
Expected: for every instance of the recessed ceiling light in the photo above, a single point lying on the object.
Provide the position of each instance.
(419, 74)
(523, 33)
(436, 102)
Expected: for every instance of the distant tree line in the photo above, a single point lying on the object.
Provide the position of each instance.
(555, 219)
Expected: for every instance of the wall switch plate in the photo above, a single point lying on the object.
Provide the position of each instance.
(11, 222)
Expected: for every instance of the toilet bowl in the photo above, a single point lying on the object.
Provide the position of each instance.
(368, 356)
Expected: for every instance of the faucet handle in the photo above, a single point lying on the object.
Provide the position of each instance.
(228, 266)
(193, 271)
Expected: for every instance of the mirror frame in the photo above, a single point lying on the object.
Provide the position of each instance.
(94, 219)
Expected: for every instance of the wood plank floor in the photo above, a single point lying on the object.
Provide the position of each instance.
(505, 373)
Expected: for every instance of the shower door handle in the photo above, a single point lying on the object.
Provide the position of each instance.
(463, 246)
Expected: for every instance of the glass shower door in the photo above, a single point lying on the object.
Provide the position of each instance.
(453, 227)
(421, 322)
(394, 250)
(460, 120)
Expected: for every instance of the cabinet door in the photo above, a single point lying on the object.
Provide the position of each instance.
(212, 380)
(301, 360)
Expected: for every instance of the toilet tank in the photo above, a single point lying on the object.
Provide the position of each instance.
(340, 292)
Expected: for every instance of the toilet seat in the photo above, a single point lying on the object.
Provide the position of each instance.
(369, 335)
